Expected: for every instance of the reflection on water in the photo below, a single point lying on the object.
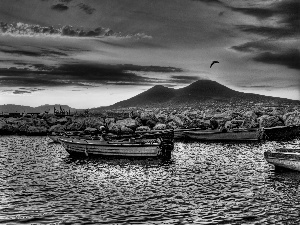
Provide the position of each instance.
(205, 183)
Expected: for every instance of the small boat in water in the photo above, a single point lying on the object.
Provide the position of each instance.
(285, 158)
(118, 148)
(227, 135)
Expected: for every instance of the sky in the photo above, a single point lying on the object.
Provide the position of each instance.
(91, 53)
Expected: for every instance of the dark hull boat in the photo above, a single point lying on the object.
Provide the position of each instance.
(284, 158)
(231, 135)
(282, 132)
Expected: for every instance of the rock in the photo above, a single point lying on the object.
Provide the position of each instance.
(150, 123)
(62, 121)
(126, 130)
(176, 119)
(57, 128)
(74, 127)
(250, 115)
(160, 126)
(114, 128)
(135, 114)
(8, 128)
(145, 116)
(109, 120)
(161, 117)
(214, 124)
(143, 128)
(90, 130)
(128, 122)
(51, 121)
(172, 125)
(291, 118)
(269, 121)
(32, 130)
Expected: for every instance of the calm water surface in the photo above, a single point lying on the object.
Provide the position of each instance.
(204, 183)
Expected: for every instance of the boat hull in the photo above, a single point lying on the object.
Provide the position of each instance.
(115, 149)
(287, 159)
(54, 138)
(282, 132)
(223, 136)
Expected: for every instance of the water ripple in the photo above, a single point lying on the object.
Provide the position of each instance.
(204, 183)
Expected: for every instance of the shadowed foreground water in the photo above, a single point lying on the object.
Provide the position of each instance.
(205, 183)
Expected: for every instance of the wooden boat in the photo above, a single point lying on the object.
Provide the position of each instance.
(124, 148)
(281, 132)
(229, 135)
(284, 158)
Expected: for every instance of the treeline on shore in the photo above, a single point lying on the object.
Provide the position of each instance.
(146, 120)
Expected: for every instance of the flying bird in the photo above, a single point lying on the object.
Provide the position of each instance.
(213, 62)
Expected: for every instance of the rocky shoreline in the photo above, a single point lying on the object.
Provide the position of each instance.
(146, 120)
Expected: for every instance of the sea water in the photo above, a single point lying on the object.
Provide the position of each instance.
(203, 183)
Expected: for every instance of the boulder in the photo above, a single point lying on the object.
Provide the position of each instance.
(51, 121)
(291, 118)
(128, 122)
(251, 115)
(114, 128)
(176, 120)
(145, 116)
(135, 114)
(109, 120)
(172, 125)
(150, 123)
(74, 127)
(32, 130)
(57, 128)
(160, 126)
(143, 128)
(269, 121)
(90, 130)
(126, 130)
(62, 121)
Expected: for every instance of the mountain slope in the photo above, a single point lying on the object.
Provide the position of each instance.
(197, 92)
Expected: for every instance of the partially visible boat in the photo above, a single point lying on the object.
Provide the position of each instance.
(285, 158)
(280, 133)
(119, 148)
(254, 134)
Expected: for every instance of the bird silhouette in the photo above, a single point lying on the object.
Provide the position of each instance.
(213, 62)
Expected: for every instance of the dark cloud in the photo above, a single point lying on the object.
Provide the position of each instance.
(260, 13)
(270, 32)
(184, 79)
(289, 58)
(161, 69)
(65, 1)
(255, 46)
(60, 7)
(80, 75)
(33, 53)
(286, 15)
(86, 8)
(210, 2)
(26, 90)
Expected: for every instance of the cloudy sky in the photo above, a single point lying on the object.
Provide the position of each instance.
(90, 53)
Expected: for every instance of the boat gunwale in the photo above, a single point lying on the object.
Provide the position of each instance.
(113, 144)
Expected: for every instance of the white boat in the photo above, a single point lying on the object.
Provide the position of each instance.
(128, 148)
(230, 135)
(284, 158)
